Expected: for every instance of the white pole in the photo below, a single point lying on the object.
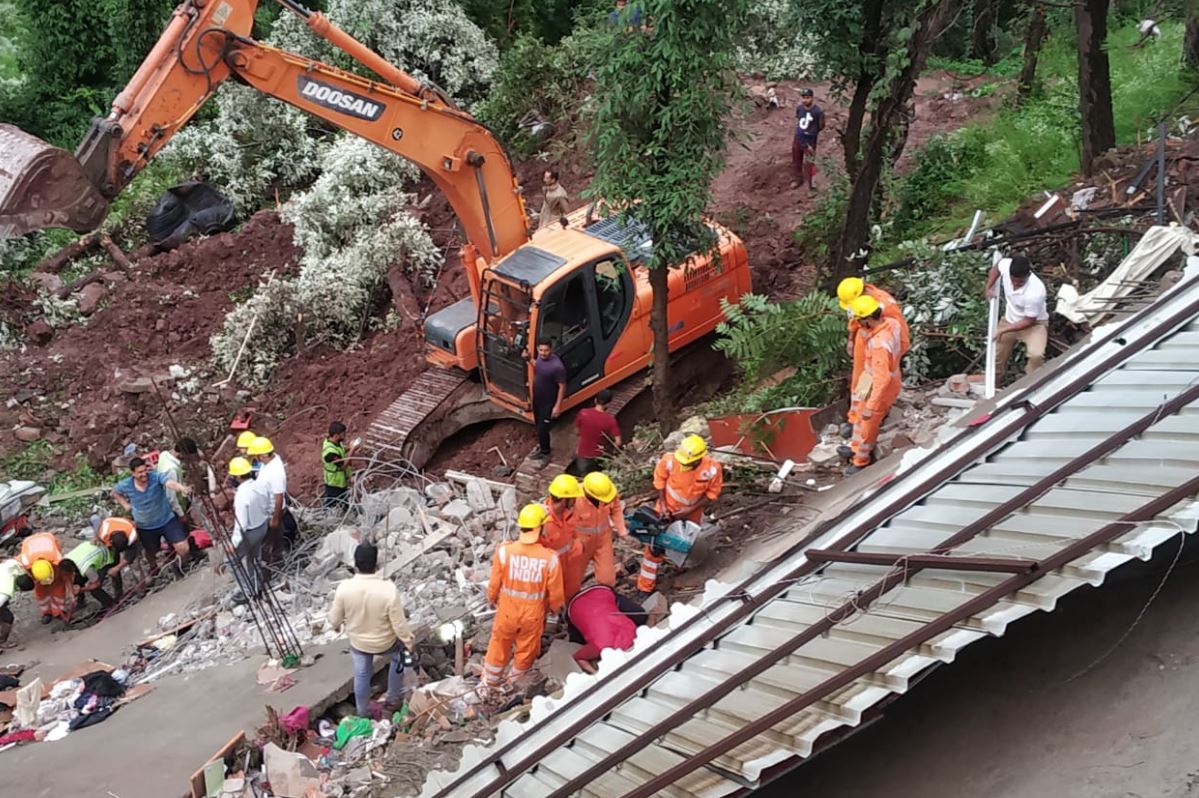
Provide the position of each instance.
(992, 323)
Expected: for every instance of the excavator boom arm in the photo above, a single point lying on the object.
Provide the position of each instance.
(207, 41)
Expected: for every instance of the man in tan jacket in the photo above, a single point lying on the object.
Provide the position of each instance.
(556, 203)
(369, 608)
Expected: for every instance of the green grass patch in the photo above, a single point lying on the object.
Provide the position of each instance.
(32, 463)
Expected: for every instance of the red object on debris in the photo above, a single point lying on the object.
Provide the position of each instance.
(296, 721)
(201, 538)
(242, 420)
(779, 435)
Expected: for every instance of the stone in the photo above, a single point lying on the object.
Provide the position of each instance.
(656, 607)
(27, 434)
(507, 502)
(340, 543)
(178, 372)
(439, 492)
(951, 401)
(457, 511)
(824, 454)
(39, 332)
(398, 518)
(47, 282)
(292, 775)
(135, 385)
(958, 384)
(160, 325)
(478, 496)
(90, 298)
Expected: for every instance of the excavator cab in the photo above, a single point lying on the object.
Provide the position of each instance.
(44, 186)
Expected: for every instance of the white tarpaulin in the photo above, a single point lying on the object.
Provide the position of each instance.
(1154, 248)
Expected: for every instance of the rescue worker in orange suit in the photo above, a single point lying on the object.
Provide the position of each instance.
(687, 481)
(53, 587)
(526, 582)
(848, 290)
(559, 533)
(878, 386)
(597, 514)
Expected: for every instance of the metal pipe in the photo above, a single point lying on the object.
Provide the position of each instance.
(987, 439)
(944, 623)
(1007, 565)
(1017, 502)
(1161, 172)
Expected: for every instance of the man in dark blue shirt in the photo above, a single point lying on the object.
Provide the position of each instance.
(549, 389)
(634, 15)
(809, 121)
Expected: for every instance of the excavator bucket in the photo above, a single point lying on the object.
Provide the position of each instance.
(43, 186)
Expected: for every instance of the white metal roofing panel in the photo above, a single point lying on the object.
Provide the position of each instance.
(1089, 500)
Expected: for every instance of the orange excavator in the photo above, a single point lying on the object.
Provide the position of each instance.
(583, 285)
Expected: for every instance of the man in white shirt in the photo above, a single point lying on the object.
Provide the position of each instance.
(251, 512)
(273, 480)
(1025, 316)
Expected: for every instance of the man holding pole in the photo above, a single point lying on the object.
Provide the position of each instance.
(1025, 316)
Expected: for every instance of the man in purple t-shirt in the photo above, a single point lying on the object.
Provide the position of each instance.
(549, 388)
(809, 121)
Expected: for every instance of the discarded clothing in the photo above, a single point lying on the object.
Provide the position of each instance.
(350, 727)
(296, 721)
(101, 683)
(23, 736)
(91, 719)
(8, 682)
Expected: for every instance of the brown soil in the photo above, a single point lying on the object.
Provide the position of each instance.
(174, 302)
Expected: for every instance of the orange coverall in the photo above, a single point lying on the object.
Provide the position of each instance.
(56, 599)
(594, 524)
(858, 336)
(883, 346)
(684, 491)
(526, 582)
(559, 536)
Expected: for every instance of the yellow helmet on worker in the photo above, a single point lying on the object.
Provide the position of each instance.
(864, 306)
(532, 517)
(259, 446)
(239, 467)
(848, 290)
(565, 486)
(42, 572)
(691, 450)
(598, 486)
(245, 439)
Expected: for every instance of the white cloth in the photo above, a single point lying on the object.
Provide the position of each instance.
(1025, 302)
(252, 506)
(274, 476)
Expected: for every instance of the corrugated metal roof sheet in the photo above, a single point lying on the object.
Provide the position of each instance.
(1165, 456)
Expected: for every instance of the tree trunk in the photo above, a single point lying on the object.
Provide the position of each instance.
(982, 42)
(871, 71)
(660, 329)
(1033, 37)
(850, 254)
(1190, 42)
(1094, 81)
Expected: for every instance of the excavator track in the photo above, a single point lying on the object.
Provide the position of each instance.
(440, 403)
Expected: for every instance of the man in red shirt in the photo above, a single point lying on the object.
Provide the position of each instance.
(594, 425)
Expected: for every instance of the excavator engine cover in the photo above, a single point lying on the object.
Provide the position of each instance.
(43, 186)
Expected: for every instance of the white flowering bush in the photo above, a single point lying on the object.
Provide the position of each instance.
(775, 46)
(431, 40)
(254, 146)
(272, 310)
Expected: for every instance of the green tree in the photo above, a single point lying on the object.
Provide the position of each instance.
(663, 92)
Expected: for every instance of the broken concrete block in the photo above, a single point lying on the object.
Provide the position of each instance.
(656, 607)
(478, 496)
(951, 401)
(958, 383)
(90, 298)
(439, 492)
(507, 502)
(824, 454)
(135, 385)
(399, 518)
(340, 543)
(291, 775)
(27, 434)
(457, 511)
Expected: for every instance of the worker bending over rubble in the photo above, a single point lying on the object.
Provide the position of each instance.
(53, 587)
(119, 536)
(687, 481)
(88, 565)
(599, 618)
(13, 577)
(559, 533)
(597, 514)
(878, 386)
(526, 582)
(848, 290)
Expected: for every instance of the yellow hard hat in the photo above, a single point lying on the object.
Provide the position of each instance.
(239, 467)
(691, 450)
(863, 306)
(532, 516)
(565, 486)
(259, 446)
(42, 572)
(599, 487)
(246, 438)
(848, 290)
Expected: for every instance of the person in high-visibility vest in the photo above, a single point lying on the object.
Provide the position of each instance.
(597, 514)
(89, 564)
(119, 536)
(559, 532)
(53, 587)
(526, 582)
(880, 382)
(13, 577)
(848, 290)
(687, 481)
(335, 461)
